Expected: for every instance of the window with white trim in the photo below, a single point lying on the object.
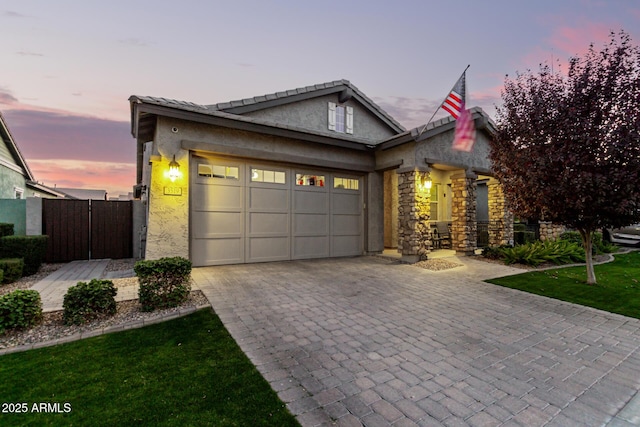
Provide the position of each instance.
(270, 176)
(19, 192)
(345, 183)
(217, 171)
(310, 180)
(340, 118)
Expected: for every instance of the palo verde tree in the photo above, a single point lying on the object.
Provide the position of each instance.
(567, 147)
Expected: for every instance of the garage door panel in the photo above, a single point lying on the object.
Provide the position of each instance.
(346, 203)
(268, 199)
(310, 247)
(268, 249)
(217, 197)
(217, 224)
(346, 225)
(310, 224)
(261, 223)
(217, 251)
(310, 202)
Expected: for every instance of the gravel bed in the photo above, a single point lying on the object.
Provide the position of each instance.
(437, 264)
(52, 327)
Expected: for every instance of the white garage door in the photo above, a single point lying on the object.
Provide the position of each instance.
(243, 212)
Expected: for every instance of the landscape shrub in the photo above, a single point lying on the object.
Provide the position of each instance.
(599, 246)
(6, 229)
(536, 253)
(1, 276)
(31, 248)
(12, 269)
(493, 252)
(20, 309)
(87, 301)
(164, 283)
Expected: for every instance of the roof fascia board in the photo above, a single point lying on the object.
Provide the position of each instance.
(482, 171)
(15, 151)
(251, 126)
(210, 148)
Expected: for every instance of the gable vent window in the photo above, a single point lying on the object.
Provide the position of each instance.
(340, 118)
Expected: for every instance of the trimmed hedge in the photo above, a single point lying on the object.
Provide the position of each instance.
(164, 283)
(20, 309)
(87, 301)
(31, 248)
(12, 269)
(6, 229)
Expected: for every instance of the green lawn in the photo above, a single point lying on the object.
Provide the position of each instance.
(617, 291)
(183, 372)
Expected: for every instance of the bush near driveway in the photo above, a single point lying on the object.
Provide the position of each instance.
(20, 309)
(164, 283)
(87, 301)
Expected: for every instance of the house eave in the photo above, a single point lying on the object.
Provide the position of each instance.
(233, 121)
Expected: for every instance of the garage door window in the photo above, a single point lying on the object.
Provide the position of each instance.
(270, 176)
(218, 171)
(345, 183)
(313, 180)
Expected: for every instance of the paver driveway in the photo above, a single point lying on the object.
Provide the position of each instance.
(370, 341)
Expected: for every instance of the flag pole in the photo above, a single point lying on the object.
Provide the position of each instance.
(443, 101)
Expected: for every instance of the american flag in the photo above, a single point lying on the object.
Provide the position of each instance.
(454, 103)
(465, 134)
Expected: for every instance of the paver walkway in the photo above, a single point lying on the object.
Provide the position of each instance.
(53, 287)
(368, 341)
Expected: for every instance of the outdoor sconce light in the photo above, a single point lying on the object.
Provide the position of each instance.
(174, 169)
(425, 185)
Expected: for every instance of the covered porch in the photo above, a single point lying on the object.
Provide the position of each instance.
(436, 198)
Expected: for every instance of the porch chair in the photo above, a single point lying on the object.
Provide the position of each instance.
(442, 236)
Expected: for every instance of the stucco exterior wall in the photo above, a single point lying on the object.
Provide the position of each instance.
(9, 179)
(439, 147)
(312, 114)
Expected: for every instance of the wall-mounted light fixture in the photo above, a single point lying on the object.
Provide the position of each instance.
(425, 184)
(174, 169)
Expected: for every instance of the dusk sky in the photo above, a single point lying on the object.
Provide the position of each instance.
(69, 67)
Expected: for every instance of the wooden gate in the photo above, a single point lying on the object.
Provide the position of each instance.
(87, 229)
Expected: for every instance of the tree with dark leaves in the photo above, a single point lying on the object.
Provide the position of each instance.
(567, 147)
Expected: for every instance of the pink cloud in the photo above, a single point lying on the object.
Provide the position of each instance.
(115, 178)
(66, 149)
(45, 134)
(575, 41)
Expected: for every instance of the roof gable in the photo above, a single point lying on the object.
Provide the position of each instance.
(343, 88)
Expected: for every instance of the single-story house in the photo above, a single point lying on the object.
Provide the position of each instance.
(313, 172)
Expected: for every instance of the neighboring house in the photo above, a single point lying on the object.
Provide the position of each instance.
(83, 194)
(16, 179)
(319, 171)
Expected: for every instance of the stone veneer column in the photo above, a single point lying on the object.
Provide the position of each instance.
(414, 234)
(500, 218)
(464, 226)
(550, 231)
